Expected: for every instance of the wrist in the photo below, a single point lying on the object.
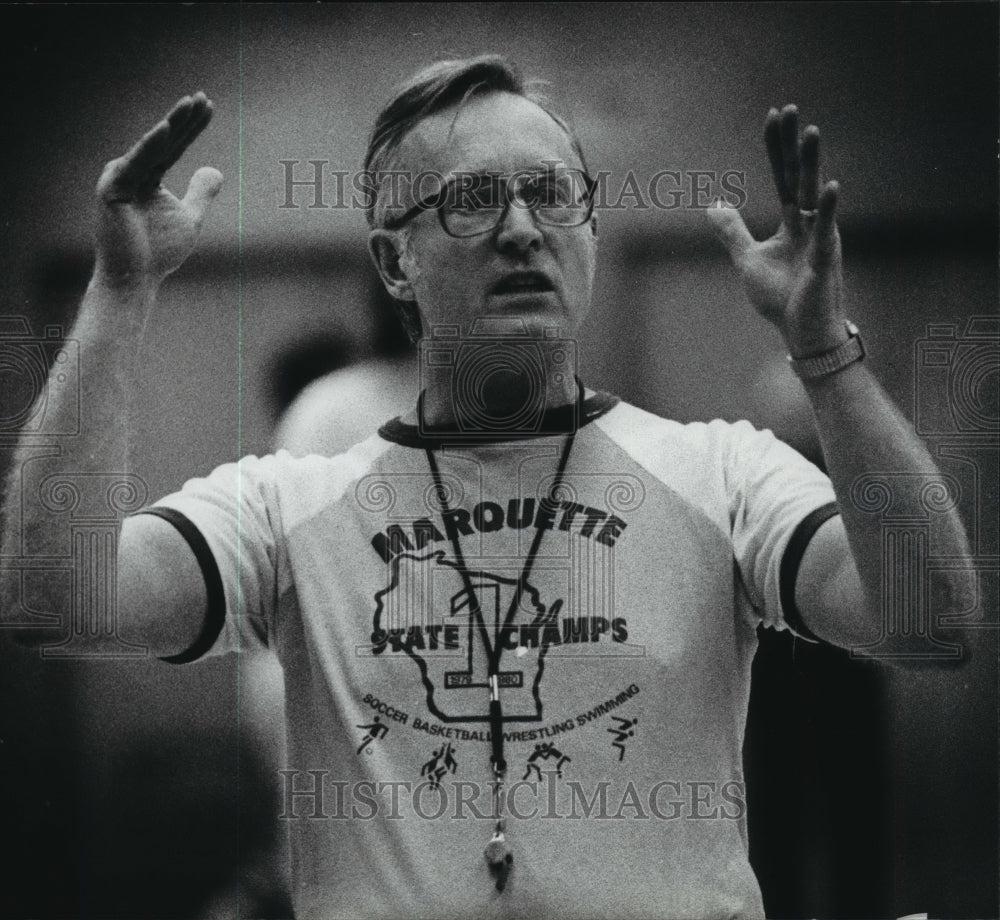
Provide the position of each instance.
(833, 360)
(816, 339)
(127, 283)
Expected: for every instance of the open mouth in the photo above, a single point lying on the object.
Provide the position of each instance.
(522, 283)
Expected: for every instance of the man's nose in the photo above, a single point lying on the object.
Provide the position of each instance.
(518, 231)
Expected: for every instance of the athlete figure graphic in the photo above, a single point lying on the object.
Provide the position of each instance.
(624, 730)
(545, 751)
(443, 761)
(375, 730)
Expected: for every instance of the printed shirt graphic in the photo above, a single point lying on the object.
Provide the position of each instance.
(624, 659)
(452, 648)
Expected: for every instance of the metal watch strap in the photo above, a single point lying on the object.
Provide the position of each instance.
(831, 361)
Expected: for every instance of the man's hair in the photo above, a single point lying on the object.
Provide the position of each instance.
(431, 90)
(434, 89)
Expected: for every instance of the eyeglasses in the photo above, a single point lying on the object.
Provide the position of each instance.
(475, 203)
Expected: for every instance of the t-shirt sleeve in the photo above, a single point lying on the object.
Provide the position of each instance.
(778, 500)
(231, 521)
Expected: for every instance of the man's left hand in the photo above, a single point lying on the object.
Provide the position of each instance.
(793, 279)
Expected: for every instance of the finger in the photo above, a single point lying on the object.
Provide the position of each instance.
(123, 177)
(790, 150)
(182, 113)
(189, 124)
(772, 140)
(186, 123)
(201, 191)
(156, 144)
(195, 125)
(825, 228)
(142, 168)
(809, 176)
(184, 109)
(730, 229)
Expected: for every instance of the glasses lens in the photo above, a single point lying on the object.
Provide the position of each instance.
(474, 205)
(560, 197)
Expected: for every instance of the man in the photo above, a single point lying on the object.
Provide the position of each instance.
(516, 625)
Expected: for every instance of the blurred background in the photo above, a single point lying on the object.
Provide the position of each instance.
(132, 789)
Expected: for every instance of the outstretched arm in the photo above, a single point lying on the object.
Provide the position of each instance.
(794, 280)
(143, 234)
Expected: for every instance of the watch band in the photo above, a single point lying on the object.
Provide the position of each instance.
(831, 361)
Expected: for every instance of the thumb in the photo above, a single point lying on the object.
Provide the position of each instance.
(201, 190)
(730, 229)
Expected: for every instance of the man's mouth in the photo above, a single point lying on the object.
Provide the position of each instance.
(522, 283)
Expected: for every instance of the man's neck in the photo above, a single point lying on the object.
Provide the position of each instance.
(496, 401)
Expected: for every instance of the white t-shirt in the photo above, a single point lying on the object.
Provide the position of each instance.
(624, 668)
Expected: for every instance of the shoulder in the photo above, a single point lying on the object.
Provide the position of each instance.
(323, 475)
(345, 407)
(699, 458)
(283, 480)
(643, 433)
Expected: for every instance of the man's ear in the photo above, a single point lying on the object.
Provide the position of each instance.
(386, 248)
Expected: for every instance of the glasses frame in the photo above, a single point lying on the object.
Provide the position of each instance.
(426, 204)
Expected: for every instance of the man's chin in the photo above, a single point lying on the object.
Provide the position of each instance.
(532, 317)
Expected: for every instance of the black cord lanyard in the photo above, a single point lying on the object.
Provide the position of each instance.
(497, 854)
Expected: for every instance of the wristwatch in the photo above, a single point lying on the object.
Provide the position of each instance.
(831, 361)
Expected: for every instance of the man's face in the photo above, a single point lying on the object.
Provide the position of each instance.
(536, 274)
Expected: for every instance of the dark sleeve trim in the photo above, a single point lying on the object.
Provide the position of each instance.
(791, 561)
(215, 614)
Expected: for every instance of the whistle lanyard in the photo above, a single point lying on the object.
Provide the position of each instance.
(497, 853)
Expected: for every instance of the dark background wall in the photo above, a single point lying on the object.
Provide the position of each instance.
(132, 789)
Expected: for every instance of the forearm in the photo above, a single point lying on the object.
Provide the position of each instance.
(865, 438)
(107, 332)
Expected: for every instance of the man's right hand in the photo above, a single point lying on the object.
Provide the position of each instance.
(144, 232)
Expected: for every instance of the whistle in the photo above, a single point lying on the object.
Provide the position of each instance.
(500, 859)
(496, 850)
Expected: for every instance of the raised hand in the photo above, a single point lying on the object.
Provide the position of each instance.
(794, 279)
(144, 232)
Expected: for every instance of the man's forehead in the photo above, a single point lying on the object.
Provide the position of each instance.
(496, 132)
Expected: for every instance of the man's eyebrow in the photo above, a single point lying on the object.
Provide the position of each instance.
(468, 179)
(546, 167)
